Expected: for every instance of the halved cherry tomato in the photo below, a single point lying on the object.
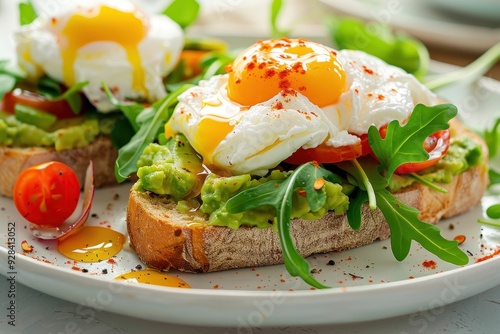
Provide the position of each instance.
(325, 154)
(61, 109)
(436, 145)
(47, 194)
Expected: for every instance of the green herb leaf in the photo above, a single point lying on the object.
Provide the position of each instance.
(493, 211)
(354, 214)
(276, 32)
(405, 143)
(27, 13)
(129, 154)
(7, 83)
(405, 226)
(278, 194)
(471, 72)
(130, 110)
(51, 90)
(492, 138)
(398, 50)
(494, 223)
(183, 12)
(494, 176)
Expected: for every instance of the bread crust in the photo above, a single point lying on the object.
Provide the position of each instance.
(100, 151)
(164, 238)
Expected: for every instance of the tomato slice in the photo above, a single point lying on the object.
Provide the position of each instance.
(61, 109)
(47, 194)
(436, 145)
(325, 154)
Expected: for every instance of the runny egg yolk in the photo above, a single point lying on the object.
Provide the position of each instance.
(104, 24)
(274, 66)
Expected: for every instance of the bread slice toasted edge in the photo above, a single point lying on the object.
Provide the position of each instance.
(164, 238)
(100, 151)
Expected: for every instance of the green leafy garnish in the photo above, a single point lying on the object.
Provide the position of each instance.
(471, 72)
(9, 75)
(398, 50)
(278, 194)
(405, 226)
(130, 109)
(276, 32)
(494, 176)
(27, 12)
(492, 212)
(183, 12)
(157, 115)
(405, 143)
(51, 90)
(492, 139)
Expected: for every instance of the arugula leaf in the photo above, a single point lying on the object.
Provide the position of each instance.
(278, 194)
(354, 213)
(130, 110)
(405, 226)
(51, 90)
(129, 154)
(405, 143)
(183, 12)
(27, 12)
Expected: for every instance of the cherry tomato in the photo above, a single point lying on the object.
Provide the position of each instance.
(325, 154)
(61, 109)
(47, 194)
(436, 145)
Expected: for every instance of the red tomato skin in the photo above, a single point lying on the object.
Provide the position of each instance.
(436, 145)
(325, 154)
(47, 194)
(61, 109)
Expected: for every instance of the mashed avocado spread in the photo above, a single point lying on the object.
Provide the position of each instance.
(78, 132)
(176, 170)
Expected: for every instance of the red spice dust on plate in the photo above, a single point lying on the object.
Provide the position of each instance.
(487, 257)
(430, 264)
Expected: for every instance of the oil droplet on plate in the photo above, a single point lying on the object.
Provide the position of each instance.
(92, 244)
(152, 276)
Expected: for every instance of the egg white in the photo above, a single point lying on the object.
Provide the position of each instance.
(263, 136)
(104, 61)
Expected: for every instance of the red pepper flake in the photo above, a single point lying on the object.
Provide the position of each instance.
(111, 261)
(369, 94)
(282, 280)
(75, 268)
(367, 70)
(411, 277)
(356, 91)
(269, 73)
(460, 238)
(381, 97)
(53, 20)
(302, 193)
(431, 264)
(278, 105)
(216, 286)
(487, 257)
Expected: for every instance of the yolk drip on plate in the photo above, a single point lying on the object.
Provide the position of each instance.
(151, 276)
(92, 244)
(104, 23)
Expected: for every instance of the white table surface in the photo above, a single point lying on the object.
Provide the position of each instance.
(39, 313)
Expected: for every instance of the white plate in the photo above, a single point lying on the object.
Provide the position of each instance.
(367, 283)
(424, 22)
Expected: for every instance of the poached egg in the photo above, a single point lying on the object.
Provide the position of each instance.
(110, 41)
(281, 95)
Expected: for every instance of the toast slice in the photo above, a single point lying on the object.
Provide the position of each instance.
(100, 151)
(164, 238)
